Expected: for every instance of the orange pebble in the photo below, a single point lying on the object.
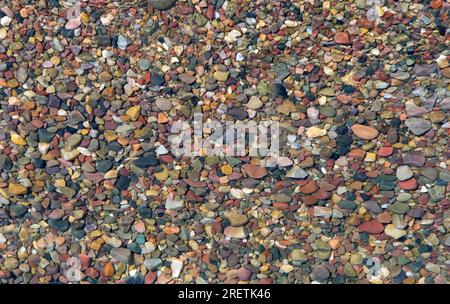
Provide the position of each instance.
(108, 269)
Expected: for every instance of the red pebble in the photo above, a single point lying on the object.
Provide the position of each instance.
(210, 12)
(385, 151)
(151, 277)
(410, 184)
(371, 227)
(342, 38)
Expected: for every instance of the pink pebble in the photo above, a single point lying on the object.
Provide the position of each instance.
(73, 24)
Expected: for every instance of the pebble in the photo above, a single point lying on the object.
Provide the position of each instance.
(314, 132)
(134, 112)
(404, 173)
(235, 232)
(244, 274)
(16, 189)
(221, 76)
(320, 274)
(364, 132)
(162, 4)
(254, 103)
(72, 24)
(5, 21)
(371, 227)
(255, 171)
(296, 173)
(122, 255)
(418, 126)
(236, 219)
(163, 104)
(394, 232)
(176, 266)
(122, 42)
(17, 139)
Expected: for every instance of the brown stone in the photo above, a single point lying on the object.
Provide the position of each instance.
(371, 227)
(342, 38)
(255, 171)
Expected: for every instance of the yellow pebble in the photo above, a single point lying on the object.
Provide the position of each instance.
(163, 175)
(84, 18)
(227, 169)
(17, 139)
(110, 136)
(151, 192)
(55, 60)
(370, 157)
(134, 112)
(60, 183)
(16, 189)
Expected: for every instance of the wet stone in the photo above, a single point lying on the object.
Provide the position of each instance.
(97, 161)
(418, 126)
(121, 254)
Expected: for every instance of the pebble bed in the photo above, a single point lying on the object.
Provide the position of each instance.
(90, 191)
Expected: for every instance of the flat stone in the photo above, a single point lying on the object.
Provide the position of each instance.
(174, 204)
(320, 274)
(221, 76)
(146, 161)
(187, 78)
(244, 274)
(17, 139)
(342, 38)
(404, 173)
(255, 171)
(371, 227)
(430, 173)
(414, 159)
(418, 126)
(176, 266)
(296, 173)
(16, 189)
(104, 165)
(437, 193)
(298, 256)
(134, 112)
(163, 104)
(11, 263)
(400, 75)
(364, 132)
(394, 232)
(122, 255)
(254, 103)
(162, 5)
(153, 264)
(425, 69)
(144, 64)
(236, 219)
(58, 224)
(18, 210)
(74, 140)
(123, 182)
(314, 132)
(122, 42)
(399, 208)
(235, 232)
(68, 154)
(72, 24)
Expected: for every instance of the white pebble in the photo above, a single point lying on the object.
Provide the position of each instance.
(5, 21)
